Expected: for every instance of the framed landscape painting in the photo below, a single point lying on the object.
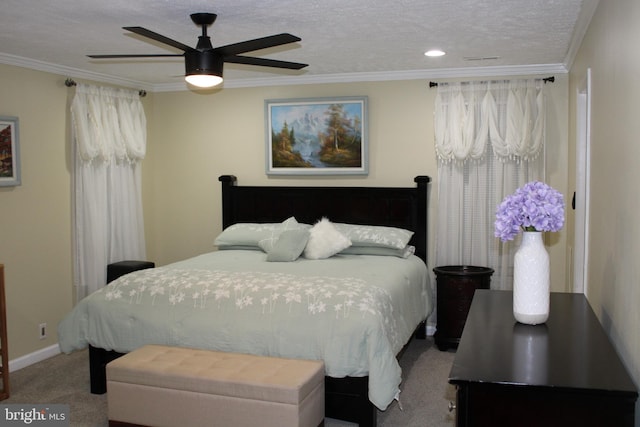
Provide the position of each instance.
(9, 152)
(317, 136)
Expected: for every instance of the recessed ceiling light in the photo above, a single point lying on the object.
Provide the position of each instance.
(434, 53)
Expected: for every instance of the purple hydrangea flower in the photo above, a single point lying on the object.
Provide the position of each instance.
(533, 207)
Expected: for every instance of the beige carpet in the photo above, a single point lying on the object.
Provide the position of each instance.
(425, 396)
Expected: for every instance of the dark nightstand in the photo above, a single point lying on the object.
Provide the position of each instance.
(121, 268)
(456, 285)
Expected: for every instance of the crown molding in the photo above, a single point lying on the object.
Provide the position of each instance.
(439, 73)
(443, 73)
(73, 73)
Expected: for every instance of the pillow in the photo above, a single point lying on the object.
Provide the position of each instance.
(406, 252)
(249, 235)
(376, 235)
(325, 241)
(289, 246)
(269, 242)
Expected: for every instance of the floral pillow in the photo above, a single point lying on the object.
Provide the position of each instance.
(376, 235)
(249, 235)
(325, 241)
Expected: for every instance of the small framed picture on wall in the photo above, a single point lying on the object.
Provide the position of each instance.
(9, 152)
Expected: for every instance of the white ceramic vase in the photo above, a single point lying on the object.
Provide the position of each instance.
(531, 280)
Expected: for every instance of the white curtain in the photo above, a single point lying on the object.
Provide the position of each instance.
(489, 140)
(109, 143)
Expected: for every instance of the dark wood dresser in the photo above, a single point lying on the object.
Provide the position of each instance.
(456, 285)
(561, 373)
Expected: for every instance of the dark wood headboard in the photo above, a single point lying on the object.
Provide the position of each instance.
(401, 207)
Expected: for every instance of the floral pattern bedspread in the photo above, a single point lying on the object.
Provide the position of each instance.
(355, 312)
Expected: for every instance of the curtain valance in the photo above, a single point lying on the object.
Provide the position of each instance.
(510, 115)
(109, 124)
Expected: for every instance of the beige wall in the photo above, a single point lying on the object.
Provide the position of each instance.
(610, 49)
(35, 221)
(196, 138)
(192, 139)
(35, 217)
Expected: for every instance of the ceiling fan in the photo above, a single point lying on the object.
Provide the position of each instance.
(204, 63)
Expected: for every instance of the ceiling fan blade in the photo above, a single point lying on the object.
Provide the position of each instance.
(134, 56)
(236, 59)
(257, 44)
(158, 37)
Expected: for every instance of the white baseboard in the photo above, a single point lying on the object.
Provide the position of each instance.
(35, 357)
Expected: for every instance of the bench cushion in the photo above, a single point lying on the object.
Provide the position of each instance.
(234, 375)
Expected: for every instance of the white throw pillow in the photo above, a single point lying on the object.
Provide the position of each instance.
(325, 241)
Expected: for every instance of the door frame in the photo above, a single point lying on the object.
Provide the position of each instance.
(581, 196)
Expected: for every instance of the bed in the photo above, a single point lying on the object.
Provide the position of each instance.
(312, 315)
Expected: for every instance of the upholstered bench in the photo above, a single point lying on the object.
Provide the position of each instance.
(172, 386)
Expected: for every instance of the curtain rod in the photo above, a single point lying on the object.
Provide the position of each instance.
(546, 80)
(70, 82)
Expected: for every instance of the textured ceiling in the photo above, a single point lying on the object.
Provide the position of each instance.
(341, 40)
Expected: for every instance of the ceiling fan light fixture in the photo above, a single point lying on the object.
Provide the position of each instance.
(203, 80)
(204, 64)
(203, 69)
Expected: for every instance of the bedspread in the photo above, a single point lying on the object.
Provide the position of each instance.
(355, 312)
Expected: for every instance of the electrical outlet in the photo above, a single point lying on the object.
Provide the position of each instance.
(42, 329)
